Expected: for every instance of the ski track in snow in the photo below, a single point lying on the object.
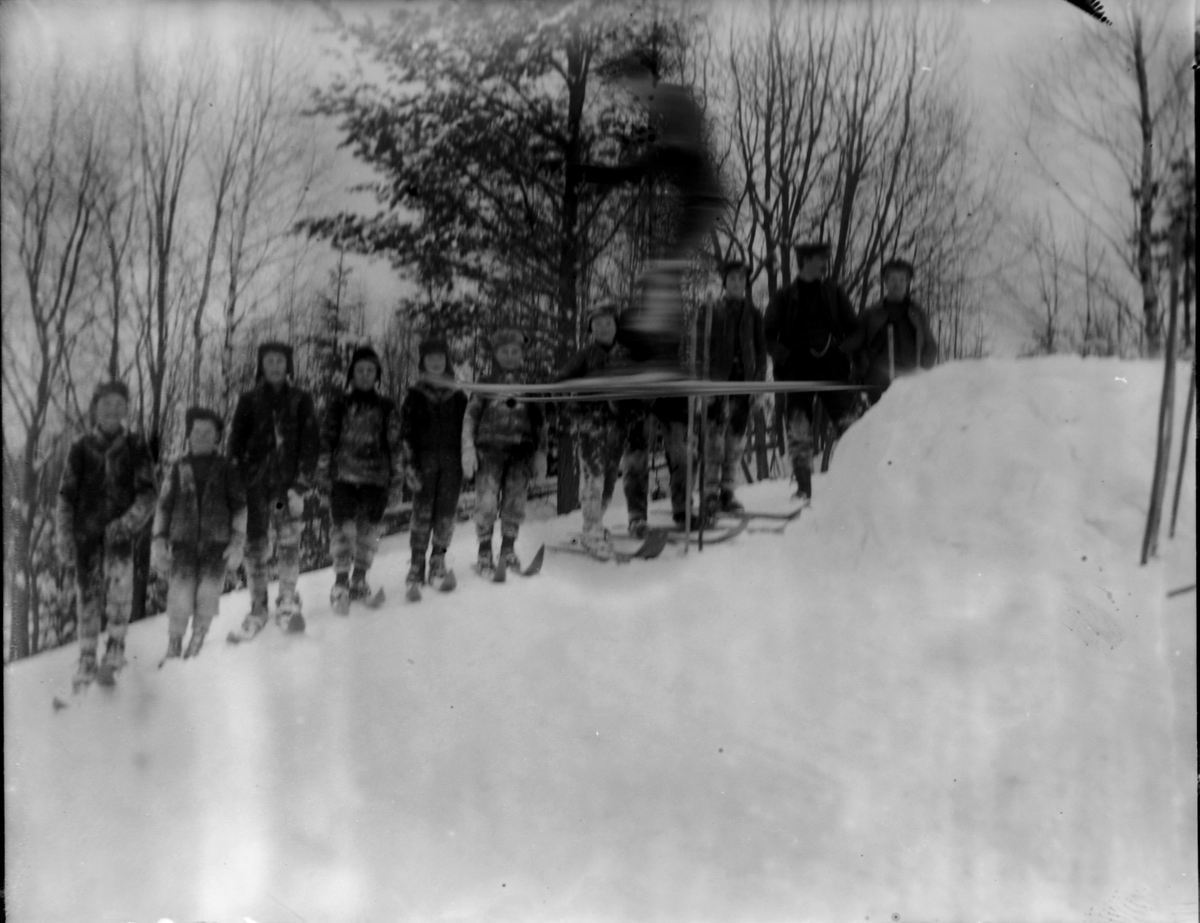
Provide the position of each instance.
(946, 692)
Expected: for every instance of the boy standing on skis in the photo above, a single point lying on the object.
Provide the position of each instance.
(601, 427)
(361, 471)
(502, 438)
(737, 351)
(274, 440)
(431, 429)
(199, 531)
(105, 498)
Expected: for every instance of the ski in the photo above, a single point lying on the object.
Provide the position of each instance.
(375, 600)
(634, 385)
(413, 593)
(444, 584)
(500, 573)
(714, 536)
(106, 675)
(651, 547)
(536, 564)
(787, 516)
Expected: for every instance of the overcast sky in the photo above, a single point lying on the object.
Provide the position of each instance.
(999, 36)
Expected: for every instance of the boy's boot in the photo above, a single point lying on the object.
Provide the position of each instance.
(730, 503)
(416, 570)
(86, 671)
(484, 564)
(439, 576)
(597, 542)
(289, 614)
(508, 553)
(174, 646)
(339, 596)
(196, 641)
(638, 527)
(709, 511)
(254, 621)
(111, 663)
(360, 590)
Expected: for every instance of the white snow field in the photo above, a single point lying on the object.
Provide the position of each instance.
(948, 692)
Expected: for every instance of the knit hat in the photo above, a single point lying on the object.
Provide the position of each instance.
(202, 413)
(507, 335)
(363, 353)
(813, 248)
(433, 344)
(897, 263)
(111, 387)
(274, 346)
(603, 309)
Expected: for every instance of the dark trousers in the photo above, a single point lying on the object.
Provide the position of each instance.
(435, 504)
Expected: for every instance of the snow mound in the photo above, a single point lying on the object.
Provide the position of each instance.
(947, 691)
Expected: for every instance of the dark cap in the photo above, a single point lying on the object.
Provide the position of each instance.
(897, 263)
(363, 353)
(274, 346)
(202, 413)
(507, 335)
(609, 308)
(809, 249)
(118, 388)
(433, 344)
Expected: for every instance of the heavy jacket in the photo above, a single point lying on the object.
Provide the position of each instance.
(185, 517)
(361, 440)
(804, 322)
(106, 478)
(914, 344)
(431, 419)
(502, 422)
(737, 344)
(274, 440)
(588, 360)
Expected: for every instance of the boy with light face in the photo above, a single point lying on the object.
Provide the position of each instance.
(502, 439)
(361, 470)
(199, 532)
(274, 440)
(105, 498)
(601, 427)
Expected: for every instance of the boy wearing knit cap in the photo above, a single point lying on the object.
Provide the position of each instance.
(199, 531)
(274, 440)
(503, 438)
(105, 498)
(431, 426)
(601, 427)
(361, 470)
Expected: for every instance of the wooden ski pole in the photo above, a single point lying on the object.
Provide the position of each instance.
(1187, 425)
(705, 474)
(691, 412)
(1165, 410)
(891, 354)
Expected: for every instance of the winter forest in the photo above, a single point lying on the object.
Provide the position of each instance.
(182, 182)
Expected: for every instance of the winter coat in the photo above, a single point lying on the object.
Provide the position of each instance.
(807, 320)
(589, 360)
(737, 339)
(502, 422)
(274, 440)
(106, 478)
(914, 344)
(361, 440)
(186, 518)
(431, 420)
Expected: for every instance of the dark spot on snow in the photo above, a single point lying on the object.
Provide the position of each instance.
(889, 463)
(895, 916)
(413, 662)
(1085, 557)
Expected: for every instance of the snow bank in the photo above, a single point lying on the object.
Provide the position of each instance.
(946, 692)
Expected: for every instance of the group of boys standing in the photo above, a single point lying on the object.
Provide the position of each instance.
(215, 511)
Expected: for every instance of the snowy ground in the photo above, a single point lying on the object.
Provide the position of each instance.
(948, 692)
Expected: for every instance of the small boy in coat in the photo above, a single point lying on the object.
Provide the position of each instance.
(274, 440)
(361, 469)
(431, 427)
(199, 531)
(502, 437)
(105, 498)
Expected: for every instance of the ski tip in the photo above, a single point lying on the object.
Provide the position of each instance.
(58, 704)
(449, 582)
(536, 564)
(413, 593)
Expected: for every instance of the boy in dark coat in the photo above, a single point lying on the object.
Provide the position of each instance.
(737, 351)
(274, 440)
(601, 427)
(105, 498)
(199, 531)
(894, 337)
(808, 325)
(361, 469)
(431, 426)
(504, 438)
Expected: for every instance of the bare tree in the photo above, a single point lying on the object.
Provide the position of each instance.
(1121, 97)
(52, 171)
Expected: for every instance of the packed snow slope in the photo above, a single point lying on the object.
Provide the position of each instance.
(947, 692)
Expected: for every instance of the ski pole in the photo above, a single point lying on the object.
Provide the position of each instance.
(891, 354)
(1187, 425)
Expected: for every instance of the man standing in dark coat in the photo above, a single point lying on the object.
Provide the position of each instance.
(894, 337)
(807, 327)
(275, 441)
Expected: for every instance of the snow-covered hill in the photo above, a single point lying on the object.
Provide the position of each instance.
(948, 692)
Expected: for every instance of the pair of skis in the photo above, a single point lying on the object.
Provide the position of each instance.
(499, 571)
